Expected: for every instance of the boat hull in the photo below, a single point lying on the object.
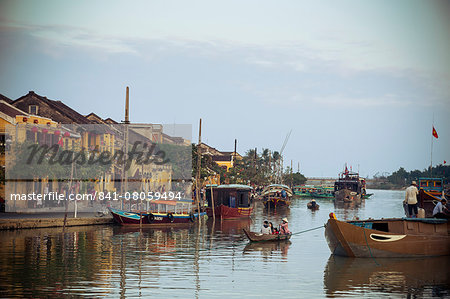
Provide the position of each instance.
(412, 238)
(230, 213)
(257, 237)
(273, 202)
(346, 195)
(158, 219)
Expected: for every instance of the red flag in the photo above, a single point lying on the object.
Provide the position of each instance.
(435, 134)
(346, 170)
(60, 142)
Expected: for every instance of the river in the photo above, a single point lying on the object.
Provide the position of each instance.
(214, 260)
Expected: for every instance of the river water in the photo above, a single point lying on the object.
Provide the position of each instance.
(214, 260)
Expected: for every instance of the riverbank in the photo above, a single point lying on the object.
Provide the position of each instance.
(11, 221)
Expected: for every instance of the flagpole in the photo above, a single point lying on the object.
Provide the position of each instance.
(431, 154)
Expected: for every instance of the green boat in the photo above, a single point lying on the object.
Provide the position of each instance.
(323, 192)
(304, 191)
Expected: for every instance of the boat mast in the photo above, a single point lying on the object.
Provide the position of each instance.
(199, 165)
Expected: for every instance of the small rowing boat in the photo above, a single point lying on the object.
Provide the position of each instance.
(312, 205)
(258, 237)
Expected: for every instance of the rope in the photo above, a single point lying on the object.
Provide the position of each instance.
(367, 243)
(304, 231)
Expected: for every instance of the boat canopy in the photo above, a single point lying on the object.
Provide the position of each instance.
(235, 186)
(276, 188)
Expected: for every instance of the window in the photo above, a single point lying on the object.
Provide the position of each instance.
(33, 109)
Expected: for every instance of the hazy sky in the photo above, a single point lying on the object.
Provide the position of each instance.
(355, 81)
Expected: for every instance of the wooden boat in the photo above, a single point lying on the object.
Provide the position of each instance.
(158, 213)
(313, 206)
(349, 187)
(273, 195)
(431, 191)
(230, 201)
(397, 237)
(258, 237)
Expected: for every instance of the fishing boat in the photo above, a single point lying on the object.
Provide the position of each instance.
(277, 195)
(258, 237)
(431, 191)
(229, 201)
(312, 205)
(304, 191)
(395, 237)
(157, 213)
(349, 187)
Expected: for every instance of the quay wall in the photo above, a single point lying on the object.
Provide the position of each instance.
(29, 223)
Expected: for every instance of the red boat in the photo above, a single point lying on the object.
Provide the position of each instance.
(230, 201)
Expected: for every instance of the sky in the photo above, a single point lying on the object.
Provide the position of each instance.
(357, 82)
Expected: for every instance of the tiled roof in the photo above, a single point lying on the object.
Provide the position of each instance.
(62, 113)
(6, 99)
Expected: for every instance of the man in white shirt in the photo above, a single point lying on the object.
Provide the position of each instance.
(411, 199)
(438, 211)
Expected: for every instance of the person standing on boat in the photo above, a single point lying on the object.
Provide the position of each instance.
(284, 229)
(265, 230)
(411, 199)
(438, 211)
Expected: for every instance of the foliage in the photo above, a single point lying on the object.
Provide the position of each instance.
(402, 178)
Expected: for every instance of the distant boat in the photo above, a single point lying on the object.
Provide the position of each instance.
(158, 213)
(304, 191)
(258, 237)
(349, 187)
(230, 201)
(431, 191)
(323, 192)
(276, 195)
(401, 237)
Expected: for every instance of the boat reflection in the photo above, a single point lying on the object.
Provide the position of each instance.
(268, 249)
(348, 210)
(422, 277)
(156, 240)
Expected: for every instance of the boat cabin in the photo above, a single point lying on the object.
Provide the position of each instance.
(182, 206)
(434, 186)
(233, 196)
(350, 182)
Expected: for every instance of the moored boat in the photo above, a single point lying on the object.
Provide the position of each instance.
(230, 201)
(258, 237)
(396, 237)
(323, 192)
(277, 195)
(304, 191)
(157, 213)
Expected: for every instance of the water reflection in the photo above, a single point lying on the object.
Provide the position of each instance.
(421, 277)
(269, 249)
(214, 259)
